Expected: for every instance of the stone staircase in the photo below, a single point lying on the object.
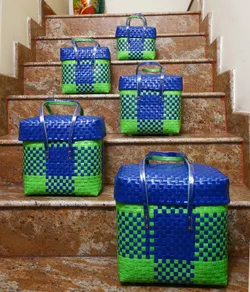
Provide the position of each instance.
(68, 244)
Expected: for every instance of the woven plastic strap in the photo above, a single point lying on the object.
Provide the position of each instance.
(80, 40)
(146, 70)
(78, 111)
(138, 16)
(167, 156)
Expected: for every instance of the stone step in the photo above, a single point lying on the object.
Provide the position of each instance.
(220, 150)
(45, 77)
(94, 274)
(175, 46)
(70, 226)
(96, 25)
(202, 112)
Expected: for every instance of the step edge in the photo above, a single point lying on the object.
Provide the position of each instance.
(108, 96)
(50, 38)
(152, 140)
(107, 15)
(130, 62)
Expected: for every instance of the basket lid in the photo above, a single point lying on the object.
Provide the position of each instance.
(57, 127)
(136, 32)
(84, 53)
(167, 184)
(151, 82)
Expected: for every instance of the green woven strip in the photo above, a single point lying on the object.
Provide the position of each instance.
(86, 178)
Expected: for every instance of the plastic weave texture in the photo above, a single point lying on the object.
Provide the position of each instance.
(81, 174)
(168, 252)
(136, 43)
(86, 76)
(58, 175)
(150, 113)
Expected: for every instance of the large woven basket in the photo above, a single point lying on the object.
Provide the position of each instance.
(172, 222)
(136, 42)
(150, 103)
(63, 155)
(85, 69)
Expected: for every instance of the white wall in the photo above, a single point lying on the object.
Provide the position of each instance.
(230, 19)
(13, 26)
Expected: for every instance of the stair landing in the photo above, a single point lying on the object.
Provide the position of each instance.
(92, 274)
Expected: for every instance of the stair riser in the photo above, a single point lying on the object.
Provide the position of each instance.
(47, 79)
(226, 157)
(85, 232)
(200, 115)
(167, 48)
(93, 27)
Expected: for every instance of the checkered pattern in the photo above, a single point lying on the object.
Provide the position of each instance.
(211, 236)
(172, 106)
(150, 126)
(86, 78)
(34, 159)
(81, 175)
(68, 73)
(174, 271)
(128, 106)
(102, 73)
(131, 235)
(88, 161)
(168, 252)
(151, 113)
(136, 49)
(60, 185)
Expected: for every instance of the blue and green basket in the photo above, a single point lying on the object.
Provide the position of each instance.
(85, 69)
(63, 155)
(172, 222)
(136, 42)
(150, 103)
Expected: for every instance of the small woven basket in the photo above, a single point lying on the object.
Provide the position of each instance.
(63, 155)
(136, 42)
(150, 103)
(172, 222)
(85, 69)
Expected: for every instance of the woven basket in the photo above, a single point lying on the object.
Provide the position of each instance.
(63, 155)
(172, 222)
(150, 104)
(85, 69)
(136, 42)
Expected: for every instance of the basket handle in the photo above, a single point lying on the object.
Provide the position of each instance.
(136, 16)
(167, 156)
(78, 111)
(84, 40)
(147, 70)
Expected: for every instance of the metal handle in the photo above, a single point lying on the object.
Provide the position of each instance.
(83, 40)
(167, 156)
(78, 111)
(146, 70)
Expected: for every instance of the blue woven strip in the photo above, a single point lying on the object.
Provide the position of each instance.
(136, 32)
(84, 53)
(151, 82)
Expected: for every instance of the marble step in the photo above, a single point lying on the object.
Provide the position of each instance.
(202, 112)
(90, 274)
(221, 150)
(70, 226)
(45, 77)
(96, 25)
(168, 46)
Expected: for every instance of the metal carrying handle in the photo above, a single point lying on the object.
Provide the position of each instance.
(167, 156)
(146, 70)
(136, 16)
(78, 111)
(83, 40)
